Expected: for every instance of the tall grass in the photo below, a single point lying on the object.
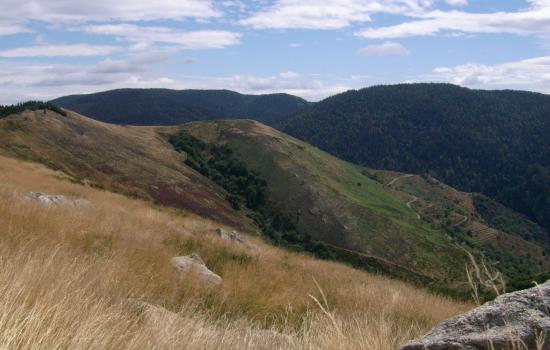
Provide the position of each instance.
(72, 277)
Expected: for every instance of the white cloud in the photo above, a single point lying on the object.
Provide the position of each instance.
(328, 14)
(72, 50)
(457, 2)
(102, 10)
(23, 81)
(289, 75)
(145, 36)
(530, 74)
(533, 20)
(296, 45)
(11, 28)
(386, 49)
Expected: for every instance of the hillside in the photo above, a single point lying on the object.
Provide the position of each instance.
(493, 142)
(399, 224)
(172, 107)
(247, 175)
(132, 160)
(98, 276)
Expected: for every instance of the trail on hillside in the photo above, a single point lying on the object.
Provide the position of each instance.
(409, 205)
(399, 178)
(464, 219)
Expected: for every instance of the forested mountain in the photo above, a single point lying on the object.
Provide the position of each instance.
(171, 107)
(493, 142)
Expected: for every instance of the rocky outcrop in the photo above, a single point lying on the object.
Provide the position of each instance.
(55, 200)
(519, 320)
(230, 236)
(193, 266)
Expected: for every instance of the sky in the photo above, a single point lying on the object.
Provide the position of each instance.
(309, 48)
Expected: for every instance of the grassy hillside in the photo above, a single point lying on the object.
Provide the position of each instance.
(171, 107)
(134, 161)
(72, 277)
(361, 216)
(247, 175)
(494, 142)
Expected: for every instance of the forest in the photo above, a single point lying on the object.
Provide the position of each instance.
(491, 142)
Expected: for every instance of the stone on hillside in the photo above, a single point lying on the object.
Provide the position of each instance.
(193, 265)
(512, 321)
(57, 200)
(231, 236)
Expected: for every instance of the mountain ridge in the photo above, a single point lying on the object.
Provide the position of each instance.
(172, 107)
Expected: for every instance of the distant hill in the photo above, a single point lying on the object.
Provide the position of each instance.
(172, 107)
(493, 142)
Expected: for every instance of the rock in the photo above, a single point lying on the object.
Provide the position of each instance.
(512, 319)
(57, 200)
(231, 236)
(193, 265)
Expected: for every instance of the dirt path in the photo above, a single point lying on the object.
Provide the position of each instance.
(399, 178)
(409, 205)
(464, 219)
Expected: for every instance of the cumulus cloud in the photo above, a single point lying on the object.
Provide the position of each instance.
(386, 49)
(327, 14)
(19, 81)
(145, 36)
(533, 20)
(72, 50)
(11, 28)
(457, 2)
(532, 73)
(103, 10)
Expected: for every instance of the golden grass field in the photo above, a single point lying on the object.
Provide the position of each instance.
(71, 277)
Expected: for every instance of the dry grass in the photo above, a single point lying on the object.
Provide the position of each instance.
(70, 277)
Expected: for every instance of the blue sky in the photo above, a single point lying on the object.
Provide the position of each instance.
(310, 48)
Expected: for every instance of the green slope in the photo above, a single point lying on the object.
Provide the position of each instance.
(413, 225)
(493, 142)
(334, 201)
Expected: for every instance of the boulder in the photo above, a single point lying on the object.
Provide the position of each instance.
(230, 236)
(519, 320)
(193, 265)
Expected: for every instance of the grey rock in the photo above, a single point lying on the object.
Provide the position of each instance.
(55, 200)
(512, 321)
(193, 265)
(230, 236)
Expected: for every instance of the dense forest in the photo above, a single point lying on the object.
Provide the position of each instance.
(172, 107)
(32, 105)
(492, 142)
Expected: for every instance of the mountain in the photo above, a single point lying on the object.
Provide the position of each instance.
(402, 224)
(171, 107)
(247, 175)
(492, 142)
